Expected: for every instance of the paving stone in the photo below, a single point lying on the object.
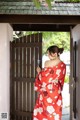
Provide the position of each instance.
(66, 117)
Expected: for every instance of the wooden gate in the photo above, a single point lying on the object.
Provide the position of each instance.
(25, 52)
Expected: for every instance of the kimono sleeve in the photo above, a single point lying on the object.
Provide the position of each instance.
(61, 76)
(37, 84)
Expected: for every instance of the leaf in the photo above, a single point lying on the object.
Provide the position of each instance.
(49, 3)
(37, 3)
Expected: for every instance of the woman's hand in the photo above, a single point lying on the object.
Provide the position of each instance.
(38, 69)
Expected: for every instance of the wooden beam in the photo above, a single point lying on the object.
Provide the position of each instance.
(41, 27)
(40, 19)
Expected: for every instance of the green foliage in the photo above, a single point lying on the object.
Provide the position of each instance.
(29, 32)
(39, 2)
(72, 0)
(49, 3)
(61, 39)
(66, 79)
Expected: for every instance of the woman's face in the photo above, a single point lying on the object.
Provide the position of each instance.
(52, 56)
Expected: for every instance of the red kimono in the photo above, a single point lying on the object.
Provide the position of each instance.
(49, 84)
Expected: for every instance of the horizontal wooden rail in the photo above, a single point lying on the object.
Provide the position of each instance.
(23, 79)
(22, 113)
(26, 44)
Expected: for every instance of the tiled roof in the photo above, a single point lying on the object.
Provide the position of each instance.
(58, 8)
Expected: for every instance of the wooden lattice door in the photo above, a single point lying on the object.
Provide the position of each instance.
(25, 52)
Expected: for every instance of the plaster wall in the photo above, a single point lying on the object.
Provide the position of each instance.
(5, 37)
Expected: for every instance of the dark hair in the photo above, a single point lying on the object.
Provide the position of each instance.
(55, 49)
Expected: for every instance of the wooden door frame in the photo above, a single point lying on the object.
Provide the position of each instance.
(40, 22)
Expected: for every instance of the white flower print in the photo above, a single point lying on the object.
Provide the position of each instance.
(59, 91)
(50, 115)
(43, 84)
(50, 86)
(44, 119)
(35, 88)
(35, 118)
(55, 81)
(59, 102)
(41, 97)
(58, 72)
(55, 97)
(46, 74)
(50, 109)
(56, 117)
(49, 100)
(50, 80)
(35, 111)
(54, 113)
(43, 89)
(40, 110)
(51, 92)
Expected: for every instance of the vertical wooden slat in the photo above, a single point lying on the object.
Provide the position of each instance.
(32, 73)
(24, 96)
(32, 62)
(28, 58)
(18, 95)
(32, 96)
(17, 83)
(28, 74)
(28, 62)
(36, 50)
(40, 49)
(21, 59)
(21, 98)
(32, 58)
(24, 59)
(16, 76)
(12, 100)
(36, 61)
(24, 75)
(13, 72)
(21, 73)
(28, 96)
(32, 38)
(16, 62)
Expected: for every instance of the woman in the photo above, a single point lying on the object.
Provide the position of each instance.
(49, 82)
